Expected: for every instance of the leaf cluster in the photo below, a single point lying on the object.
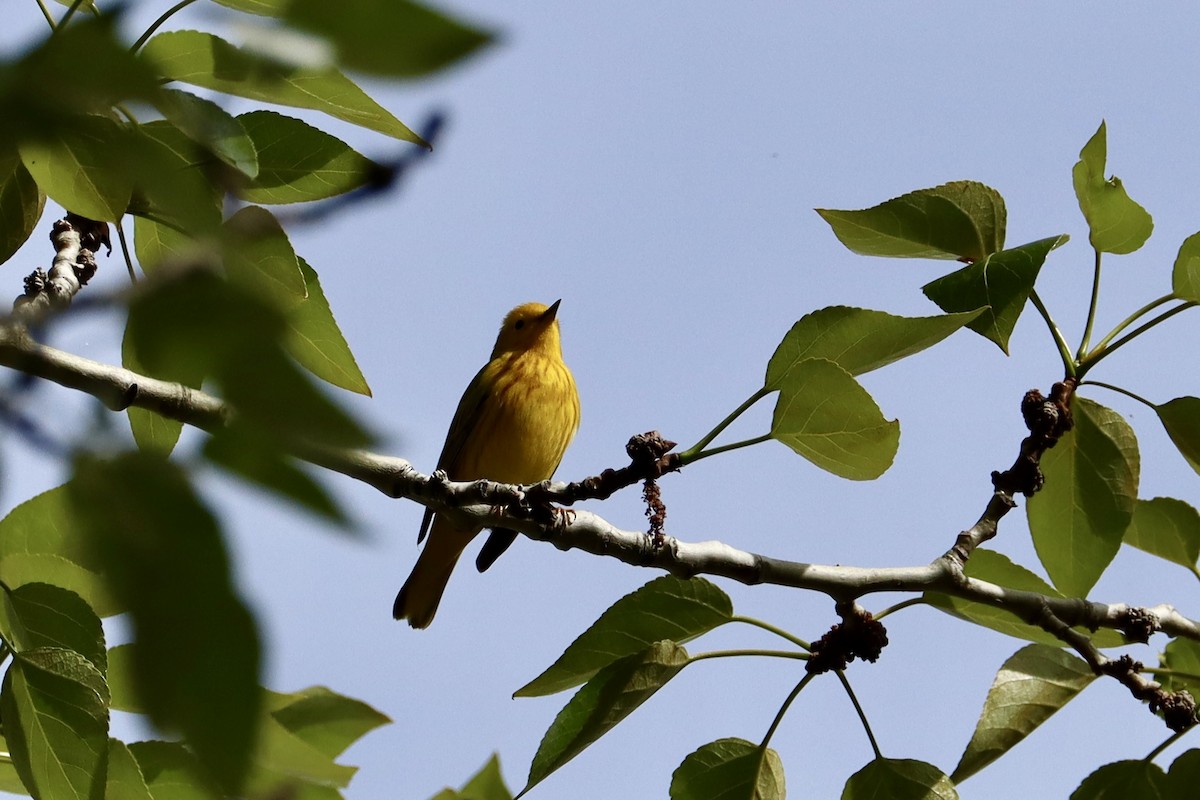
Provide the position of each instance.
(104, 127)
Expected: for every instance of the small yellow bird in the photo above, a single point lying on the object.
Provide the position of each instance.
(512, 425)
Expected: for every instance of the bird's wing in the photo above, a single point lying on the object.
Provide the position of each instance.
(466, 417)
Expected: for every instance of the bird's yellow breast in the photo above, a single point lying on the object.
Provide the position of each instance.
(528, 418)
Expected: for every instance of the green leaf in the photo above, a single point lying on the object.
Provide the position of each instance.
(487, 783)
(316, 342)
(44, 92)
(21, 204)
(55, 708)
(153, 432)
(665, 608)
(211, 126)
(1034, 682)
(326, 720)
(1080, 516)
(829, 418)
(729, 768)
(1184, 776)
(388, 37)
(122, 681)
(1167, 528)
(172, 772)
(196, 660)
(259, 256)
(175, 186)
(124, 779)
(899, 779)
(281, 758)
(961, 220)
(38, 615)
(1127, 780)
(1185, 277)
(610, 696)
(1003, 281)
(84, 167)
(1117, 223)
(10, 781)
(249, 454)
(21, 569)
(1181, 656)
(1181, 418)
(263, 8)
(42, 542)
(298, 163)
(208, 326)
(202, 59)
(986, 565)
(859, 340)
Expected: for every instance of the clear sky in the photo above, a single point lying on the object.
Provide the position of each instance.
(655, 165)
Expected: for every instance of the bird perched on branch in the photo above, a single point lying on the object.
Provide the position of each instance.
(512, 425)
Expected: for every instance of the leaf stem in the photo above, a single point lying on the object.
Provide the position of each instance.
(1170, 740)
(766, 626)
(783, 710)
(691, 458)
(748, 652)
(1163, 672)
(1091, 317)
(125, 252)
(1132, 318)
(1118, 390)
(170, 12)
(1063, 349)
(70, 13)
(861, 714)
(47, 14)
(692, 453)
(1100, 352)
(903, 604)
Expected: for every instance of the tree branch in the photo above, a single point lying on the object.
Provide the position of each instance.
(489, 504)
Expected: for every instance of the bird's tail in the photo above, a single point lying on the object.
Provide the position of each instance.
(418, 599)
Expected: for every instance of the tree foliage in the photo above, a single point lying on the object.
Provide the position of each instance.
(226, 319)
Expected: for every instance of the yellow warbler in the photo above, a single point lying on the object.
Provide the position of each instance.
(512, 425)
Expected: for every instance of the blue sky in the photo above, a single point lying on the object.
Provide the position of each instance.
(655, 165)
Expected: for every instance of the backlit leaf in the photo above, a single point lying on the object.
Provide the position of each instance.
(1167, 528)
(729, 768)
(859, 340)
(829, 418)
(899, 779)
(1181, 418)
(1117, 223)
(1079, 517)
(202, 59)
(21, 204)
(1034, 682)
(1002, 282)
(1127, 780)
(665, 608)
(959, 220)
(610, 696)
(1185, 276)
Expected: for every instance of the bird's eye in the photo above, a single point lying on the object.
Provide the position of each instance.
(520, 324)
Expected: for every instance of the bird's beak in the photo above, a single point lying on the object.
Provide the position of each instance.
(550, 313)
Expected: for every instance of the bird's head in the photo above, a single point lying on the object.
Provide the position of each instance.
(528, 327)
